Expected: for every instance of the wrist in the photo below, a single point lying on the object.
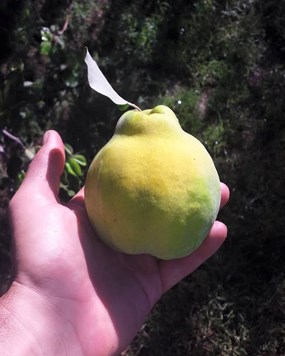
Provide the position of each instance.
(29, 325)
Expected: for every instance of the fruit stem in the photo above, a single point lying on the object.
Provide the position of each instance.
(135, 106)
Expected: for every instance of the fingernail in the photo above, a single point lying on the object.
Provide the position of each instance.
(46, 138)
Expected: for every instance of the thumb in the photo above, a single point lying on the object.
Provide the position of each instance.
(44, 172)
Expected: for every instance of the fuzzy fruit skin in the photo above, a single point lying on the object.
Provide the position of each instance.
(153, 188)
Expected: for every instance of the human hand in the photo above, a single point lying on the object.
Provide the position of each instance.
(71, 293)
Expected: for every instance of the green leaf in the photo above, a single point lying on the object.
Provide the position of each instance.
(29, 153)
(123, 107)
(45, 48)
(70, 169)
(68, 149)
(75, 167)
(70, 192)
(80, 159)
(46, 34)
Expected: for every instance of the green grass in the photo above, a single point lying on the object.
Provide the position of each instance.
(220, 66)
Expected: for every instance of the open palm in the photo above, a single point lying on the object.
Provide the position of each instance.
(102, 296)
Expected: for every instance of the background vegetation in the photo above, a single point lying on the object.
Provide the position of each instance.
(220, 66)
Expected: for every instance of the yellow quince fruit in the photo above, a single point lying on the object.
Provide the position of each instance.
(153, 188)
